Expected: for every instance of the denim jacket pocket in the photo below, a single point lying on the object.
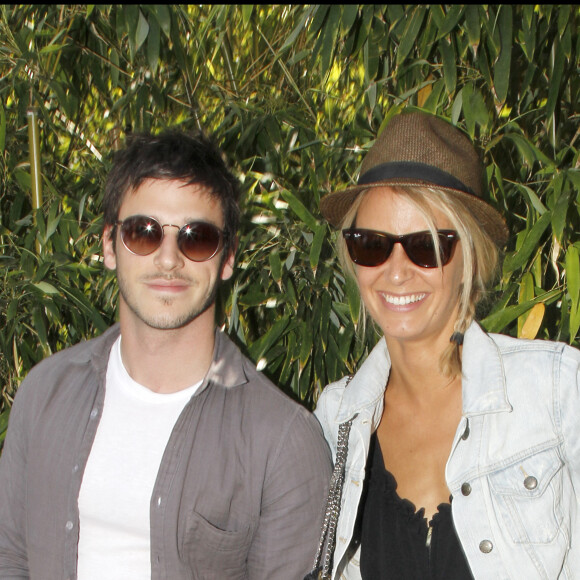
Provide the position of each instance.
(526, 496)
(213, 553)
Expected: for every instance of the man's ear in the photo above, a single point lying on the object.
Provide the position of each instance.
(109, 255)
(228, 264)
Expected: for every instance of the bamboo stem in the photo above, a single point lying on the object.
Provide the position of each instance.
(35, 163)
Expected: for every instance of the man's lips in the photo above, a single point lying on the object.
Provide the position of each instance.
(167, 285)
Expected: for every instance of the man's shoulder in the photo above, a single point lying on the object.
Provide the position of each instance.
(80, 353)
(254, 387)
(89, 354)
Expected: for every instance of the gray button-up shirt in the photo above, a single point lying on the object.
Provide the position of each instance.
(240, 491)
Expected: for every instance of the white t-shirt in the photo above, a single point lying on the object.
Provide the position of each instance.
(115, 495)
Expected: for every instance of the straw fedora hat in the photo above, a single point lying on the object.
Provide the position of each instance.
(418, 149)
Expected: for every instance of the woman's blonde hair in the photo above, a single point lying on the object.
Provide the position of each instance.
(480, 255)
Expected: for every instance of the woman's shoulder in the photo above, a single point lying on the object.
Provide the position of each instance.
(559, 352)
(332, 394)
(328, 405)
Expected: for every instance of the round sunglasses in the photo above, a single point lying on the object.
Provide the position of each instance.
(197, 241)
(372, 248)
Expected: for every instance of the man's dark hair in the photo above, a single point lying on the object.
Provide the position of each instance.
(173, 155)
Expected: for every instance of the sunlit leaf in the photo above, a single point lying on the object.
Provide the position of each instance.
(533, 321)
(526, 294)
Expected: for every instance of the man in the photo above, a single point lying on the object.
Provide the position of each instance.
(157, 450)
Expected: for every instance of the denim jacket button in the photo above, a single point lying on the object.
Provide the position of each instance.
(530, 482)
(466, 489)
(486, 546)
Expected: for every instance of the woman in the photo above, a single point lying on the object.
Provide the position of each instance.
(462, 448)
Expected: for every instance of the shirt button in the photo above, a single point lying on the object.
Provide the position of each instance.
(530, 482)
(69, 526)
(94, 413)
(486, 546)
(75, 468)
(466, 489)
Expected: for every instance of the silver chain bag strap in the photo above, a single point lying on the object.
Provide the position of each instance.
(328, 533)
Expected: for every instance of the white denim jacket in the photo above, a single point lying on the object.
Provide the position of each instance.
(514, 467)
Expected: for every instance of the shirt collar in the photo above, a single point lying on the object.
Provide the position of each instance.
(226, 368)
(367, 387)
(484, 388)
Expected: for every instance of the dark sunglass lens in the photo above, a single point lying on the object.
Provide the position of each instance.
(141, 235)
(446, 245)
(199, 241)
(367, 248)
(421, 249)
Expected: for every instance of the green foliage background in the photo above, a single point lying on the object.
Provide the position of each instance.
(294, 95)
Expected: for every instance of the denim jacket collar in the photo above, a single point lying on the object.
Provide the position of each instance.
(367, 387)
(484, 389)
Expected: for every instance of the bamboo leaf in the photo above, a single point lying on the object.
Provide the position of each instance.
(275, 265)
(330, 33)
(555, 78)
(472, 25)
(499, 320)
(299, 209)
(2, 129)
(266, 342)
(529, 151)
(141, 32)
(349, 15)
(316, 247)
(247, 11)
(526, 294)
(353, 297)
(449, 66)
(533, 321)
(559, 214)
(3, 424)
(451, 19)
(163, 17)
(516, 260)
(501, 69)
(153, 45)
(573, 284)
(410, 33)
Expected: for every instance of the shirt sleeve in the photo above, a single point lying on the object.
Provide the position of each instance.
(568, 380)
(13, 559)
(294, 497)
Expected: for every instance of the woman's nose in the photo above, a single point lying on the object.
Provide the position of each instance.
(398, 268)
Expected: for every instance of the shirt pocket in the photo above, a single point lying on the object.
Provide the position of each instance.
(213, 553)
(527, 496)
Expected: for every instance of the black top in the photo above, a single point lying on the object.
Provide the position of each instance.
(394, 537)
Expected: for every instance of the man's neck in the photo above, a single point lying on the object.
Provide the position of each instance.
(167, 361)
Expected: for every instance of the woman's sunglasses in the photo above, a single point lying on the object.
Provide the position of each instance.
(198, 241)
(372, 248)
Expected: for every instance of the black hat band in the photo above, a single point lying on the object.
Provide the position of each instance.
(413, 170)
